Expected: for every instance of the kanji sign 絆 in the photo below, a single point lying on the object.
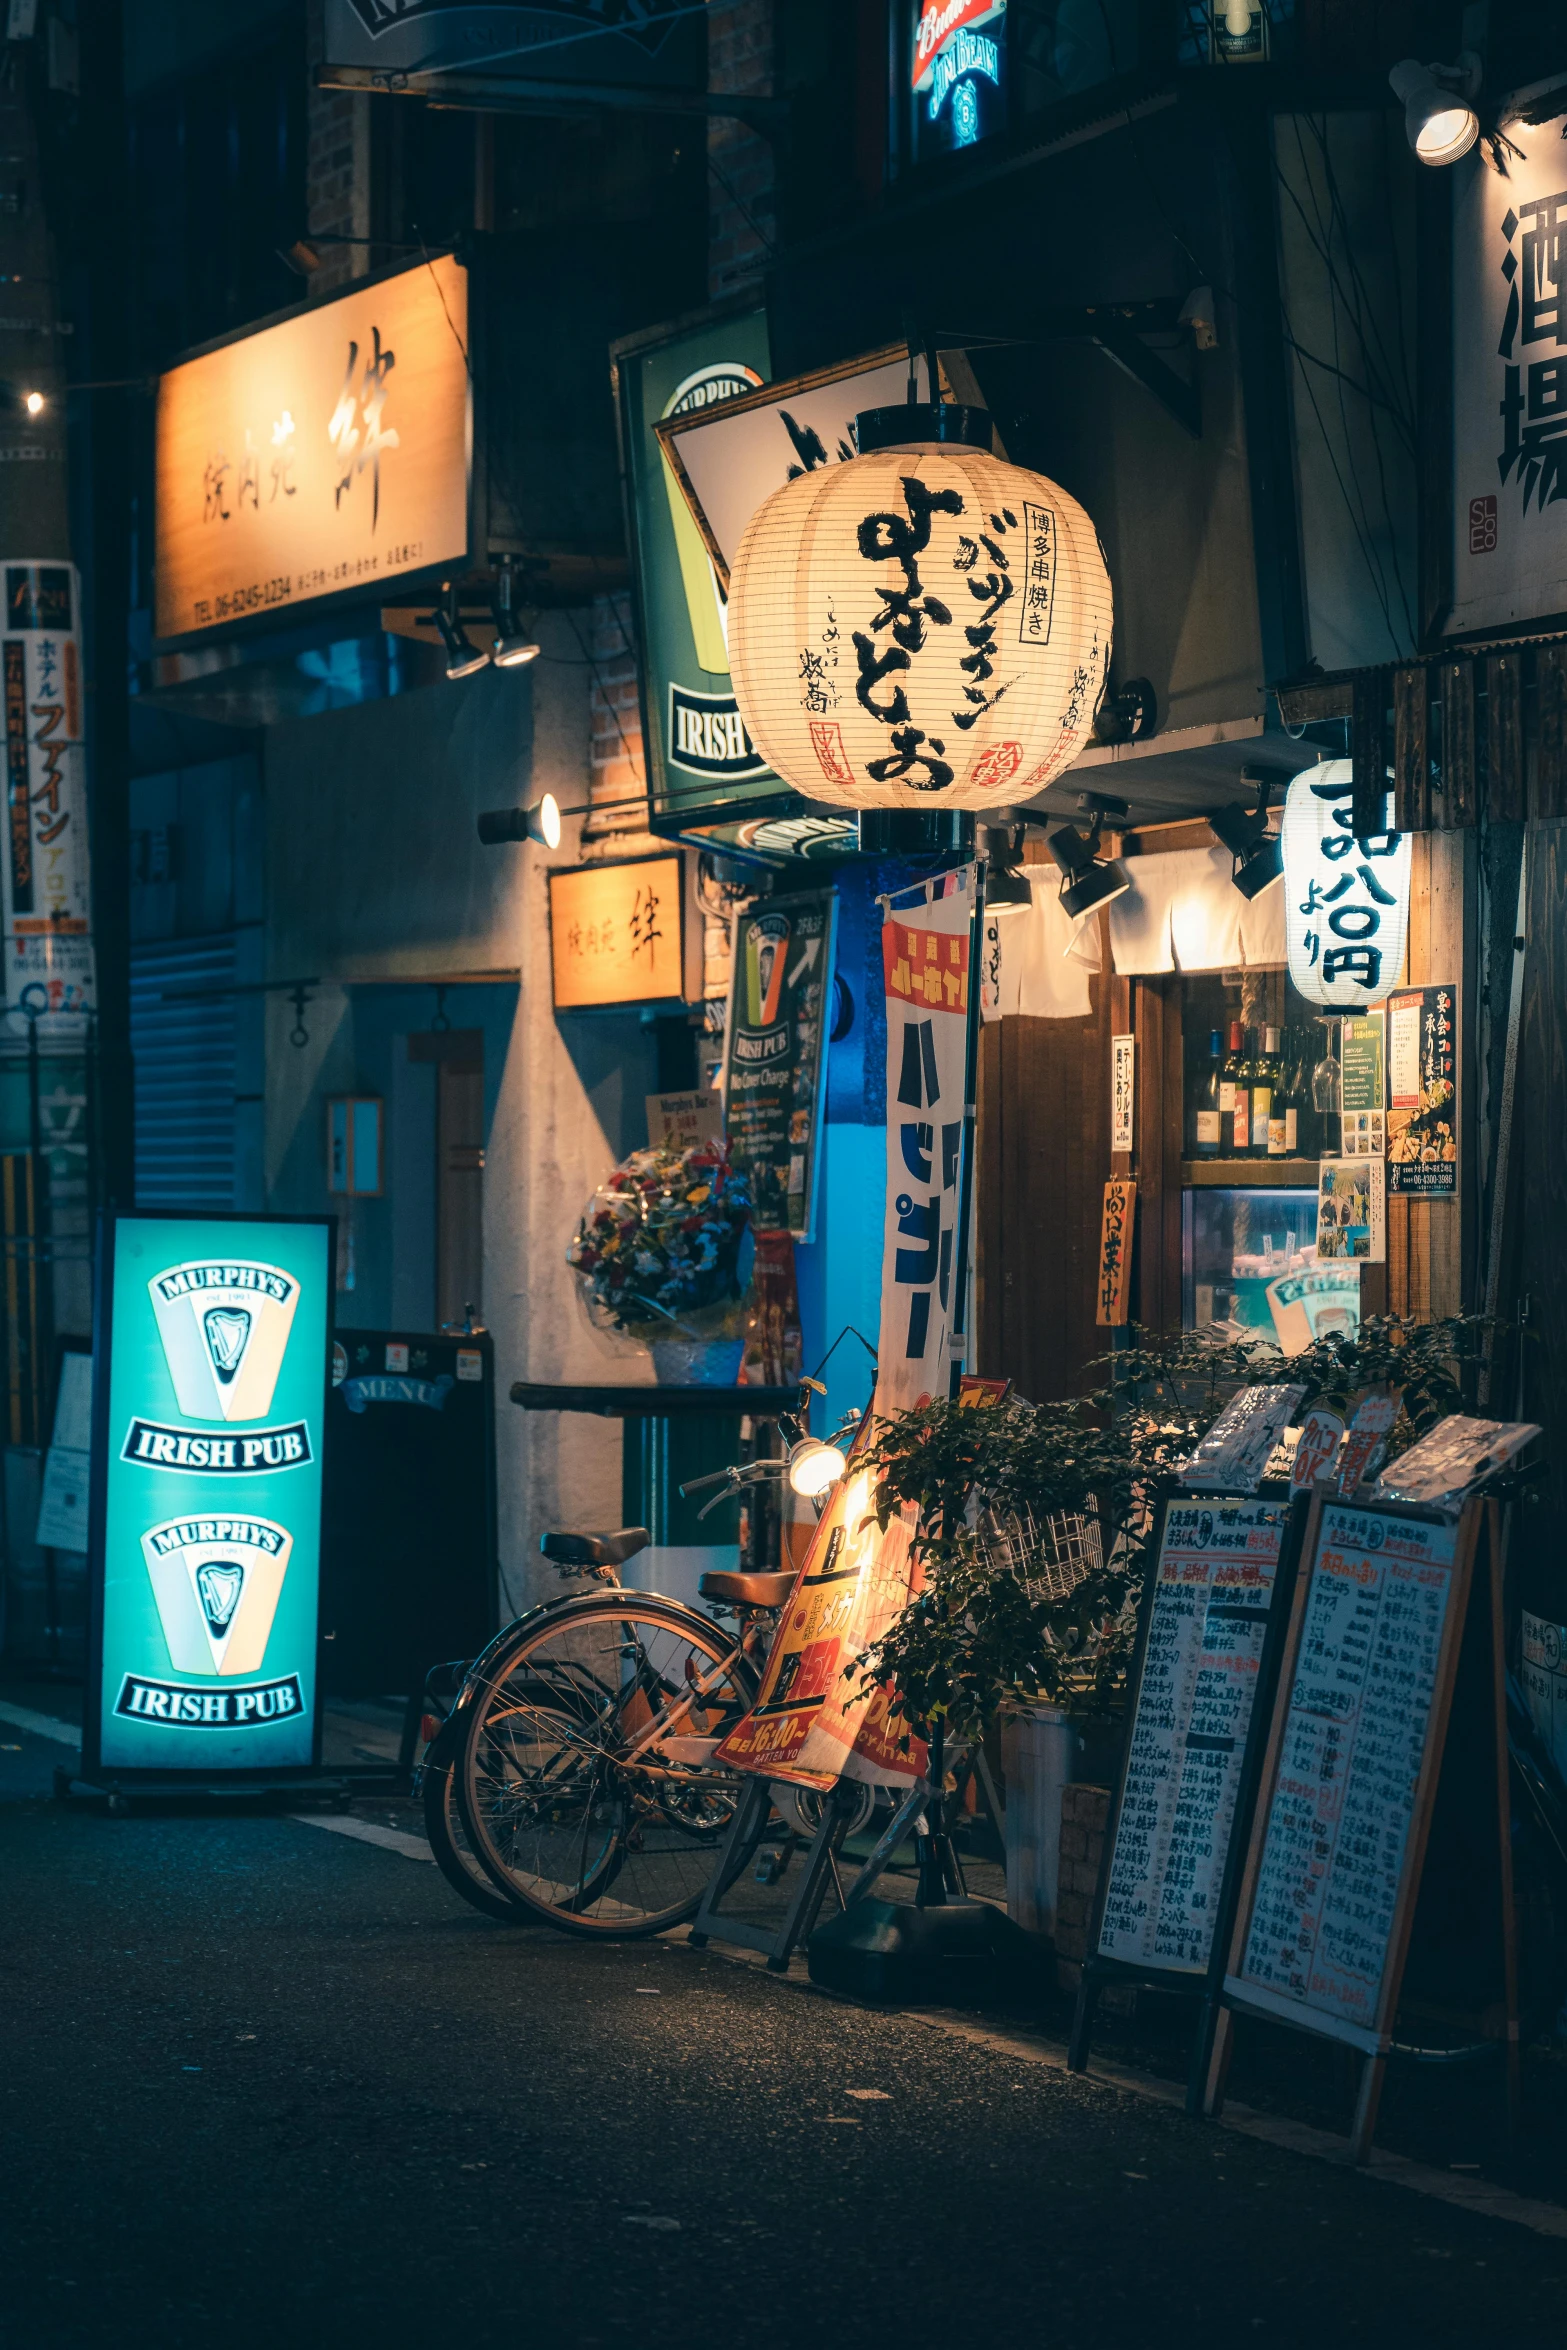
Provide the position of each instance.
(1346, 897)
(616, 933)
(1510, 383)
(326, 453)
(48, 949)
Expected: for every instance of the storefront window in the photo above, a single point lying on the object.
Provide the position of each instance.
(1260, 1105)
(966, 70)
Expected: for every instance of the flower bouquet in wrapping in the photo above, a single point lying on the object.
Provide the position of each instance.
(662, 1250)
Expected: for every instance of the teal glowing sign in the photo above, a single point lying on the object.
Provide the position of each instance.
(210, 1381)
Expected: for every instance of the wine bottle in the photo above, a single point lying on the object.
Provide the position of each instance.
(1208, 1122)
(1234, 1101)
(1277, 1120)
(1295, 1094)
(1262, 1094)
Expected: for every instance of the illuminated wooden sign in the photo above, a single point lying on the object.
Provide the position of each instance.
(327, 453)
(617, 933)
(1114, 1298)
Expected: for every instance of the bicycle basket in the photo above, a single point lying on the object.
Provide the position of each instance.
(1050, 1556)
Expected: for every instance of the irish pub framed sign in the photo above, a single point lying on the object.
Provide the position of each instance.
(211, 1367)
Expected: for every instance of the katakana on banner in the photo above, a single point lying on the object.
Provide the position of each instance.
(48, 943)
(925, 955)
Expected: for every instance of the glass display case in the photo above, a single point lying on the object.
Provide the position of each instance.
(1249, 1267)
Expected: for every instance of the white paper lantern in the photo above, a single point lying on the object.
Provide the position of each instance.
(1346, 900)
(921, 627)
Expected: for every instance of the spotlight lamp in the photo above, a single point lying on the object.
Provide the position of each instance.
(514, 645)
(1006, 889)
(815, 1466)
(539, 821)
(1087, 880)
(463, 656)
(1259, 860)
(1440, 121)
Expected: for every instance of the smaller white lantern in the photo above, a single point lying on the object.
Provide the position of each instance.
(1346, 900)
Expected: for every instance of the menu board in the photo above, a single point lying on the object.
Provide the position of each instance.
(1376, 1629)
(1207, 1625)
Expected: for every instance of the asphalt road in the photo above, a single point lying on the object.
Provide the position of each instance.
(262, 2084)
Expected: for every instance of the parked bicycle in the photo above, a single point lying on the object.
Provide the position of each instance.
(574, 1778)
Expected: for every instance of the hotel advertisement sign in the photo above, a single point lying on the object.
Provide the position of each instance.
(326, 453)
(206, 1504)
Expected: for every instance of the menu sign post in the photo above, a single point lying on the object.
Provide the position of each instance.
(205, 1512)
(1209, 1639)
(1349, 1780)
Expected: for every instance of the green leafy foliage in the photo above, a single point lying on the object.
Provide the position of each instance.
(982, 1479)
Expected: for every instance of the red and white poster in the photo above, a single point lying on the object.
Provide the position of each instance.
(48, 943)
(925, 956)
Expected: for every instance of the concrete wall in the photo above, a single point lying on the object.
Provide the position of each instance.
(378, 887)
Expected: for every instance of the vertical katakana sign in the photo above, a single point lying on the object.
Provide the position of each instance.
(47, 909)
(1510, 382)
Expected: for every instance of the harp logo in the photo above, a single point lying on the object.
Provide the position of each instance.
(217, 1582)
(224, 1328)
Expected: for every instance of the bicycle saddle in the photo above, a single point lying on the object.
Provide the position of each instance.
(746, 1590)
(595, 1550)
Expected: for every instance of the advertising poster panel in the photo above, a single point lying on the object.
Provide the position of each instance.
(212, 1362)
(775, 1059)
(48, 942)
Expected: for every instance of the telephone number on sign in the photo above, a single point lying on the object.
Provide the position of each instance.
(254, 598)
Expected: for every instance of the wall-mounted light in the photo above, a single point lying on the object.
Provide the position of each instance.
(463, 656)
(539, 821)
(1440, 121)
(1259, 860)
(1087, 879)
(34, 403)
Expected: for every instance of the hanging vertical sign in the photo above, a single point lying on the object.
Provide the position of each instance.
(47, 907)
(775, 1062)
(1123, 1054)
(1509, 415)
(1114, 1296)
(206, 1494)
(925, 958)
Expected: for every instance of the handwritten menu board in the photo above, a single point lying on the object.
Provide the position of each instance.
(1376, 1625)
(1207, 1623)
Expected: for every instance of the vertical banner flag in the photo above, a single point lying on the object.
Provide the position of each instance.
(207, 1538)
(925, 955)
(48, 946)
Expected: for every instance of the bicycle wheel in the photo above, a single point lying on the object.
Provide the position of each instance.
(455, 1857)
(585, 1781)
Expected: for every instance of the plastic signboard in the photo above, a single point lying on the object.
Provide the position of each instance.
(211, 1370)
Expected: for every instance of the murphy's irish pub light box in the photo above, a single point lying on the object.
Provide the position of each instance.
(206, 1519)
(326, 453)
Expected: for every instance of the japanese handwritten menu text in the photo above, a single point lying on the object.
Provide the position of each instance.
(1342, 1801)
(1214, 1588)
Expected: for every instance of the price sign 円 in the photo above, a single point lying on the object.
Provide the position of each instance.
(206, 1507)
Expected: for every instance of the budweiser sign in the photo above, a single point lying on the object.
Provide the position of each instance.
(939, 20)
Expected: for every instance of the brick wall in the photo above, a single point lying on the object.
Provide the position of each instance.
(617, 771)
(1084, 1813)
(337, 166)
(741, 190)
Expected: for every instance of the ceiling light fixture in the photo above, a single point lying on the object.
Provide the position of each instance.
(1259, 860)
(463, 656)
(1006, 889)
(514, 646)
(1087, 880)
(1440, 121)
